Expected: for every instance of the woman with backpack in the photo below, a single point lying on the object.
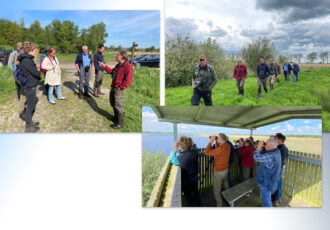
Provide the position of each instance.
(53, 75)
(29, 69)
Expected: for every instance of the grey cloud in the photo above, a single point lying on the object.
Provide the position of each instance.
(218, 32)
(184, 26)
(295, 10)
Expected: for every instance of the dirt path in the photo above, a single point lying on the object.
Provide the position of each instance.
(70, 115)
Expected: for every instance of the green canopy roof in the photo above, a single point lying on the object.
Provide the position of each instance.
(242, 117)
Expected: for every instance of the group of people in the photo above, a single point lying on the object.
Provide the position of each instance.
(204, 77)
(122, 76)
(268, 157)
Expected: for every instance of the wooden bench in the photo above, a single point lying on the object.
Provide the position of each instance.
(236, 192)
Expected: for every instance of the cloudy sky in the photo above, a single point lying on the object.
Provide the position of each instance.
(150, 123)
(123, 27)
(296, 26)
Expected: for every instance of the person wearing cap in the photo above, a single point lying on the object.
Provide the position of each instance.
(203, 81)
(12, 61)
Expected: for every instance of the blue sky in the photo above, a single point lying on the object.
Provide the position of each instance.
(298, 126)
(123, 26)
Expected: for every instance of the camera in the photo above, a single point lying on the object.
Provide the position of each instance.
(239, 72)
(87, 68)
(114, 74)
(264, 147)
(198, 83)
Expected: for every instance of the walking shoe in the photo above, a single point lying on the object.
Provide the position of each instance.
(80, 95)
(35, 124)
(259, 95)
(62, 98)
(95, 94)
(31, 129)
(100, 92)
(276, 203)
(87, 95)
(117, 126)
(22, 116)
(52, 102)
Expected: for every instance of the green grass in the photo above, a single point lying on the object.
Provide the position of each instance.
(312, 89)
(7, 84)
(152, 164)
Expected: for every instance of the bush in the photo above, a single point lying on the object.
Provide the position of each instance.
(152, 164)
(182, 56)
(7, 83)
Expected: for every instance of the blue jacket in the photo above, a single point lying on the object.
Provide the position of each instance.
(262, 71)
(231, 158)
(268, 173)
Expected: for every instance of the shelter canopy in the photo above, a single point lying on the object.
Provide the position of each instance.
(242, 117)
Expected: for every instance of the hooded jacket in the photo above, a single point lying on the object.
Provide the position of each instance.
(29, 69)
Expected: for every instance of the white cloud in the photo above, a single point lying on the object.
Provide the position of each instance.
(307, 121)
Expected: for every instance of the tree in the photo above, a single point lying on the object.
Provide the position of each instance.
(324, 56)
(298, 57)
(35, 33)
(261, 47)
(182, 56)
(281, 59)
(312, 56)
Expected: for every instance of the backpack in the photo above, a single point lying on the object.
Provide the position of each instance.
(41, 60)
(19, 77)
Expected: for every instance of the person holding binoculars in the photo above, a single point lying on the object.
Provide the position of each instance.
(187, 159)
(268, 172)
(221, 154)
(84, 65)
(203, 81)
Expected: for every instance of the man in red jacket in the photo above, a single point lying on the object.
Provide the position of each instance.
(239, 74)
(122, 76)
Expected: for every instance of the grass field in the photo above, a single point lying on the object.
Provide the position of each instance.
(74, 115)
(311, 89)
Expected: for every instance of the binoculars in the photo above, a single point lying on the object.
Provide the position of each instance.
(216, 137)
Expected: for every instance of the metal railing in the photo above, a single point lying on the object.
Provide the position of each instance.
(303, 172)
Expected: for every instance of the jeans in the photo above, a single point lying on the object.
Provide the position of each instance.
(51, 90)
(220, 182)
(265, 196)
(262, 82)
(31, 102)
(294, 75)
(84, 80)
(278, 193)
(286, 75)
(197, 95)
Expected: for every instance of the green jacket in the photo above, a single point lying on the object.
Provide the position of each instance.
(204, 77)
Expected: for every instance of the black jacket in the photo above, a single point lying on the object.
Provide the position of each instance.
(284, 153)
(189, 166)
(262, 71)
(98, 57)
(29, 69)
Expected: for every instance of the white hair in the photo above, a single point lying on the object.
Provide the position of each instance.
(84, 47)
(273, 141)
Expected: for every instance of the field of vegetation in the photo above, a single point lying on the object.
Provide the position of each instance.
(152, 164)
(74, 115)
(311, 89)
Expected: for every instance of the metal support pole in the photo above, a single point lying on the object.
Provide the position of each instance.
(175, 131)
(251, 132)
